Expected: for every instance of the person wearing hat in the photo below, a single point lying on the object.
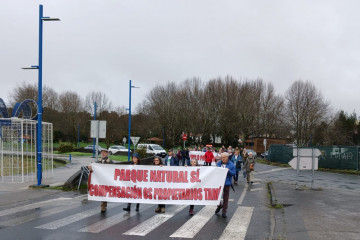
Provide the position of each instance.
(103, 160)
(136, 160)
(171, 159)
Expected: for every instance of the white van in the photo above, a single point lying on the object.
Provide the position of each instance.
(153, 148)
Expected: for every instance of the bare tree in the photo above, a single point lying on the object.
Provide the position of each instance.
(305, 108)
(30, 91)
(102, 102)
(71, 105)
(272, 123)
(50, 98)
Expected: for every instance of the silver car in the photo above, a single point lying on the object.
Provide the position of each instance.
(117, 148)
(91, 147)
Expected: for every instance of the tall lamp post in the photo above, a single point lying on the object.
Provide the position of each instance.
(39, 103)
(130, 87)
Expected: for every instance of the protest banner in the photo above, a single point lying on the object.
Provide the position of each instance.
(156, 185)
(200, 157)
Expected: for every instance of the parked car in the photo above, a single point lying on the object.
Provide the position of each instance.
(91, 147)
(117, 148)
(250, 150)
(265, 154)
(153, 149)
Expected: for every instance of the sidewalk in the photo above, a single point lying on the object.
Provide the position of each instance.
(315, 214)
(19, 192)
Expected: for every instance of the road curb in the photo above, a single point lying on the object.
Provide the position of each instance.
(273, 200)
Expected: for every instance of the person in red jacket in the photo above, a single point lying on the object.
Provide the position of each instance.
(209, 157)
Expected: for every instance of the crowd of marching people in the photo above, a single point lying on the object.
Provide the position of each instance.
(234, 160)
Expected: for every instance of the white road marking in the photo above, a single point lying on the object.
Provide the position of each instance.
(238, 225)
(72, 218)
(230, 200)
(255, 189)
(39, 214)
(241, 199)
(113, 220)
(194, 225)
(272, 170)
(154, 222)
(30, 206)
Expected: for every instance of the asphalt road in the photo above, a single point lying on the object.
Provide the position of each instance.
(330, 211)
(67, 215)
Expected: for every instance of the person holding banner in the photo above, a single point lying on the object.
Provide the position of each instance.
(209, 157)
(171, 159)
(193, 163)
(103, 160)
(225, 163)
(136, 160)
(161, 207)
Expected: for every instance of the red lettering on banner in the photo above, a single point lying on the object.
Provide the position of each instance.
(200, 196)
(118, 192)
(189, 194)
(145, 175)
(127, 175)
(212, 193)
(152, 176)
(116, 174)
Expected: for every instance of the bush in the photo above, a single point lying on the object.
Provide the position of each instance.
(65, 147)
(141, 152)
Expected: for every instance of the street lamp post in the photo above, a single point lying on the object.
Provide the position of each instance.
(130, 87)
(39, 108)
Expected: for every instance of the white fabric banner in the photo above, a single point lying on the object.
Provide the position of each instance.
(200, 157)
(156, 185)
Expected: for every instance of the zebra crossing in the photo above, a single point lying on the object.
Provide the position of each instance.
(236, 227)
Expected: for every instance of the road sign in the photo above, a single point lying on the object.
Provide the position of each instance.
(135, 140)
(264, 142)
(184, 137)
(306, 152)
(96, 126)
(305, 163)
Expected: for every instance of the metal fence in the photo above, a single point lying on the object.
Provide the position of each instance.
(332, 157)
(18, 150)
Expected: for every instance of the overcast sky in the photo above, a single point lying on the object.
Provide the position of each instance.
(101, 45)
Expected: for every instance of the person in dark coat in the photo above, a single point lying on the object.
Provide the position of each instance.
(237, 160)
(179, 156)
(103, 160)
(135, 161)
(171, 159)
(161, 207)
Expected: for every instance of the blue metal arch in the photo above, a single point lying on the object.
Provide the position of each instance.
(3, 110)
(25, 108)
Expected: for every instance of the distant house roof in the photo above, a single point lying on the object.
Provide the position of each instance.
(155, 139)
